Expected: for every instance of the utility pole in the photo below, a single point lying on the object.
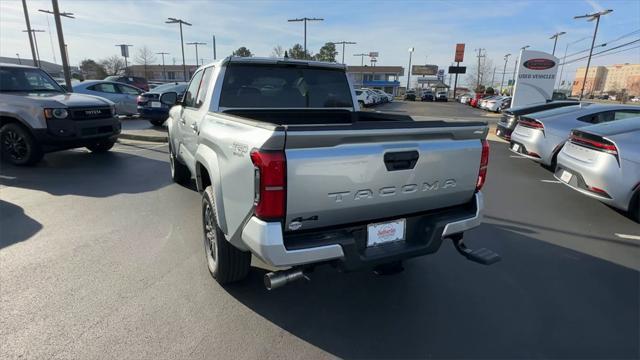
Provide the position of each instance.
(164, 73)
(195, 43)
(63, 50)
(26, 19)
(493, 77)
(564, 58)
(305, 19)
(343, 43)
(411, 50)
(479, 56)
(63, 47)
(361, 58)
(591, 17)
(35, 42)
(504, 70)
(181, 22)
(214, 47)
(555, 41)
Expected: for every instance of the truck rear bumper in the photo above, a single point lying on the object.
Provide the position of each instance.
(346, 247)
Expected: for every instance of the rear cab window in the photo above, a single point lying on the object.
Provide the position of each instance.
(284, 86)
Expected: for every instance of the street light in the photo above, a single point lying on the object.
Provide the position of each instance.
(164, 73)
(35, 41)
(181, 22)
(361, 58)
(506, 58)
(195, 43)
(124, 51)
(555, 41)
(343, 44)
(411, 50)
(305, 19)
(591, 17)
(564, 58)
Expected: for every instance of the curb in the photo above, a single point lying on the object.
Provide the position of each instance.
(148, 138)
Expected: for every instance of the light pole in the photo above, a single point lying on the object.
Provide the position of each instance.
(195, 43)
(164, 73)
(361, 58)
(305, 19)
(504, 70)
(479, 56)
(564, 58)
(26, 19)
(411, 50)
(214, 47)
(180, 22)
(35, 42)
(343, 43)
(63, 49)
(591, 17)
(555, 41)
(124, 51)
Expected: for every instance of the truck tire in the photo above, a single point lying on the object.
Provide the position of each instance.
(179, 172)
(226, 263)
(18, 146)
(157, 122)
(101, 146)
(634, 207)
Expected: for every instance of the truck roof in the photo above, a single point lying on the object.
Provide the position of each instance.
(266, 60)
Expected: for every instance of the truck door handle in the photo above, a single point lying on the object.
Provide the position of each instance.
(194, 127)
(402, 160)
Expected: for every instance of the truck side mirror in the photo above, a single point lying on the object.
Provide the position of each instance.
(169, 98)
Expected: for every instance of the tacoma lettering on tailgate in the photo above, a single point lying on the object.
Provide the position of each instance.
(392, 190)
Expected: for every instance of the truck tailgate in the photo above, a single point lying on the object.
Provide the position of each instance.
(347, 175)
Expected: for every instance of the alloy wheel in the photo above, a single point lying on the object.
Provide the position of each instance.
(15, 145)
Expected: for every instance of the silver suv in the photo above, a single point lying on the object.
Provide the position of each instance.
(38, 116)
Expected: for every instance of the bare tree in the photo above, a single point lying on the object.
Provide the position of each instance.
(277, 52)
(145, 57)
(486, 71)
(113, 64)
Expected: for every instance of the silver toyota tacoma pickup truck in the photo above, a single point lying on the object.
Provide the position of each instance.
(38, 116)
(291, 171)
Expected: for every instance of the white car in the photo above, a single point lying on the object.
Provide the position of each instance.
(385, 96)
(377, 99)
(498, 104)
(464, 99)
(364, 98)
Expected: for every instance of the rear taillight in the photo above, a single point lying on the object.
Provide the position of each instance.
(598, 191)
(270, 184)
(531, 123)
(594, 142)
(484, 163)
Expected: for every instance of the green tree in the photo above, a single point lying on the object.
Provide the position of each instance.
(327, 53)
(92, 70)
(243, 52)
(489, 91)
(297, 52)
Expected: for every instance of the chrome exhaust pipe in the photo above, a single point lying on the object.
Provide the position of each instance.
(274, 280)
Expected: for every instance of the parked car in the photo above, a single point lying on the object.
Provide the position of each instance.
(38, 116)
(377, 99)
(124, 96)
(441, 96)
(364, 98)
(135, 81)
(385, 97)
(150, 107)
(497, 104)
(427, 95)
(540, 136)
(635, 99)
(602, 162)
(558, 96)
(291, 173)
(410, 95)
(465, 98)
(510, 116)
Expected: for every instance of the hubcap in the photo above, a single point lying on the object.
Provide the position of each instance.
(15, 145)
(209, 236)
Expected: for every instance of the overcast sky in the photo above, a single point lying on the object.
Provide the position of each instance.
(389, 27)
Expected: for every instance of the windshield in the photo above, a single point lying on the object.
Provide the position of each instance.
(16, 79)
(179, 88)
(284, 86)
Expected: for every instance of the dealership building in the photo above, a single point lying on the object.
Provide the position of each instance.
(385, 78)
(603, 79)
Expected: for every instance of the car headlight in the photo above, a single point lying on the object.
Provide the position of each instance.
(59, 113)
(113, 109)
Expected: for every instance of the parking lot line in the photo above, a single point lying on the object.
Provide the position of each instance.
(551, 181)
(630, 237)
(517, 157)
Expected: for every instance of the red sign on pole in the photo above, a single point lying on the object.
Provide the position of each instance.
(459, 53)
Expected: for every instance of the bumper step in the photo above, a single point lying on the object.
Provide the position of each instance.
(481, 256)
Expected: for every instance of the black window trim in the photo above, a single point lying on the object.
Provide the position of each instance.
(188, 86)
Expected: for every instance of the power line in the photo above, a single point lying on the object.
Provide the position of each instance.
(606, 42)
(603, 51)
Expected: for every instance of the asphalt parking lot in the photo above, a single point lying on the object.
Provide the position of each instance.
(101, 257)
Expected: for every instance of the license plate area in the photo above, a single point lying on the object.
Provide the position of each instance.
(386, 232)
(515, 147)
(566, 176)
(156, 104)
